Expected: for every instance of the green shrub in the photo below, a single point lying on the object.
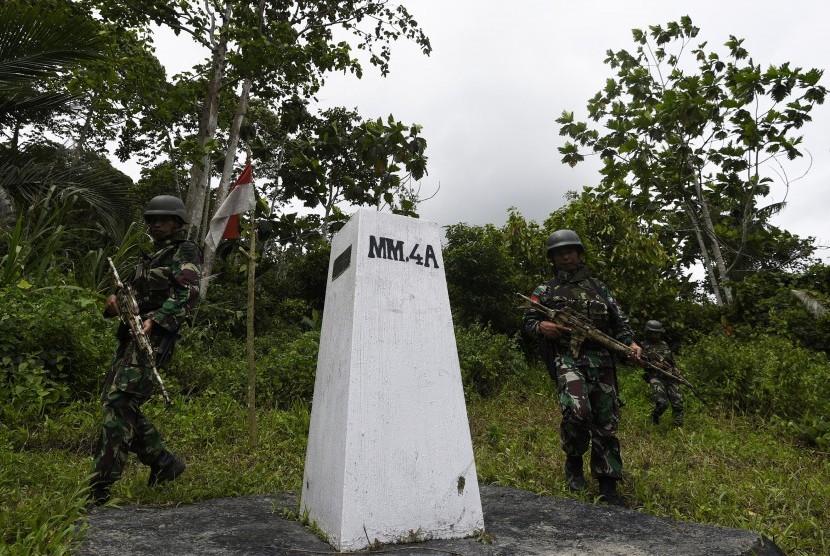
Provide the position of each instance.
(285, 367)
(286, 372)
(766, 302)
(207, 360)
(54, 346)
(482, 277)
(488, 360)
(766, 375)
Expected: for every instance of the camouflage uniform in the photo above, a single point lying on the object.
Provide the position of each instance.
(664, 390)
(166, 285)
(586, 381)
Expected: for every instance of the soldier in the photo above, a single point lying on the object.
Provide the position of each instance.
(664, 390)
(166, 285)
(586, 381)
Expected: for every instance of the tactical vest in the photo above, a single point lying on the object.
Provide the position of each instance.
(153, 279)
(659, 349)
(587, 299)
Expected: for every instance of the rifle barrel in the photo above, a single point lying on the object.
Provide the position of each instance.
(569, 318)
(128, 310)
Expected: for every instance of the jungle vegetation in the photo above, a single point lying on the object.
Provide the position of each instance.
(682, 183)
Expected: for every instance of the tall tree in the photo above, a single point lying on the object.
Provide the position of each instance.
(113, 97)
(693, 147)
(286, 50)
(337, 157)
(280, 53)
(201, 169)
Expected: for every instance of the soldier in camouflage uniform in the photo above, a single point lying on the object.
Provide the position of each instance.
(664, 390)
(166, 285)
(586, 381)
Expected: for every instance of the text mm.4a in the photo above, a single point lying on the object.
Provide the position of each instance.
(392, 249)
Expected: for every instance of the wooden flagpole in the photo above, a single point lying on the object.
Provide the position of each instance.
(253, 435)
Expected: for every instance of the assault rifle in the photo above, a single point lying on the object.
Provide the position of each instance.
(582, 329)
(671, 371)
(128, 311)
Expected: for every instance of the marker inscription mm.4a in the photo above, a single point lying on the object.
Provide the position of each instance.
(392, 249)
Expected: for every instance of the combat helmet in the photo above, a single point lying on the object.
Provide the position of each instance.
(563, 238)
(654, 326)
(168, 205)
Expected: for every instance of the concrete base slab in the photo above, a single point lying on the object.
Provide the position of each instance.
(518, 523)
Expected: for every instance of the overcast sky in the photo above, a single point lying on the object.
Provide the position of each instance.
(501, 72)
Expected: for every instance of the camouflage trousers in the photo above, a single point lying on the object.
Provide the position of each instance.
(125, 427)
(665, 392)
(590, 411)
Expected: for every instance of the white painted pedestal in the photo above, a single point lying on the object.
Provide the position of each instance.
(389, 452)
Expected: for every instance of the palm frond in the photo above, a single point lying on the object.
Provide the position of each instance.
(48, 102)
(33, 108)
(25, 179)
(38, 242)
(30, 174)
(813, 305)
(35, 42)
(771, 210)
(109, 200)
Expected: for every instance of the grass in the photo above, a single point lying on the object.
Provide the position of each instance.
(721, 468)
(44, 467)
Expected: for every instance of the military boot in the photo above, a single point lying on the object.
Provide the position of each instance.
(166, 468)
(99, 493)
(574, 474)
(608, 491)
(655, 419)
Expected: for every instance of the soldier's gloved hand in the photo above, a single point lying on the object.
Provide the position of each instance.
(552, 330)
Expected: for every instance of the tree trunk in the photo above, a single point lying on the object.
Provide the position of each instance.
(227, 171)
(749, 209)
(253, 434)
(15, 144)
(717, 255)
(205, 224)
(704, 253)
(230, 159)
(233, 142)
(326, 216)
(174, 164)
(85, 129)
(7, 212)
(236, 126)
(207, 129)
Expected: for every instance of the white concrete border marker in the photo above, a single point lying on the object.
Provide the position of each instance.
(389, 454)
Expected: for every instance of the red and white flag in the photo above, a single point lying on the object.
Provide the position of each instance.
(225, 223)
